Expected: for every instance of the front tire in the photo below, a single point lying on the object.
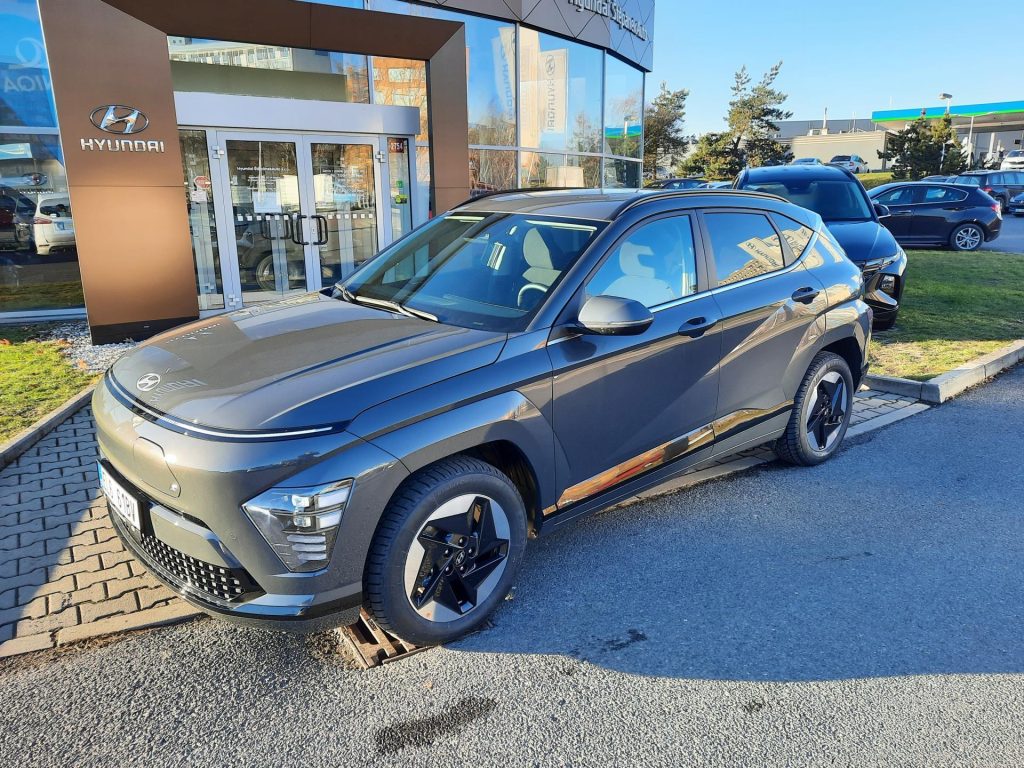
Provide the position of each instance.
(966, 237)
(821, 413)
(446, 551)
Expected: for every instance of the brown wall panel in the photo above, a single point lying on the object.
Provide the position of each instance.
(131, 226)
(135, 260)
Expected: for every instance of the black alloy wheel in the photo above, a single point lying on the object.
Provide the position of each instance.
(821, 412)
(446, 551)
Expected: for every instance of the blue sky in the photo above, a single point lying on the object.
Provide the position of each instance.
(853, 58)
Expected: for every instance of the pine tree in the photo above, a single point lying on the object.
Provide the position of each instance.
(663, 128)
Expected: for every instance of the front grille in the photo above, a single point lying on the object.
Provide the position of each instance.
(225, 584)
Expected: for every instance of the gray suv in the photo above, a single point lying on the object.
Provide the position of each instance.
(518, 362)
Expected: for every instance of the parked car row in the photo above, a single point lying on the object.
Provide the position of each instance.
(1001, 185)
(852, 163)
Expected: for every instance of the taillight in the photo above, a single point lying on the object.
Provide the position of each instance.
(997, 208)
(987, 189)
(42, 220)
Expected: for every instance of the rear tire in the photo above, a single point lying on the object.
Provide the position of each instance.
(967, 237)
(821, 413)
(446, 551)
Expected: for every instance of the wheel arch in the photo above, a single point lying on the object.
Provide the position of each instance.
(848, 349)
(507, 431)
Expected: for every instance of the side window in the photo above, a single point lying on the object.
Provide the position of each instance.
(943, 195)
(898, 196)
(655, 264)
(997, 179)
(744, 244)
(1016, 179)
(796, 234)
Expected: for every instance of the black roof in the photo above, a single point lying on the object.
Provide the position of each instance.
(808, 172)
(600, 204)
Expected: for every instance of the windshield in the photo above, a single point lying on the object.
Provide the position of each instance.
(477, 270)
(833, 200)
(841, 158)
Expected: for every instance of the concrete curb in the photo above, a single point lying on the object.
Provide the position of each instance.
(24, 440)
(948, 385)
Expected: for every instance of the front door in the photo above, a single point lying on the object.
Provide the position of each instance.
(627, 405)
(295, 212)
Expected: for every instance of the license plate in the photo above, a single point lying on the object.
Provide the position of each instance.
(119, 499)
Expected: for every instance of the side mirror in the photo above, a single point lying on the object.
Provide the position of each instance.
(881, 210)
(614, 316)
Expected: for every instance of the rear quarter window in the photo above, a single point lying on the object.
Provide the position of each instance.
(744, 245)
(796, 235)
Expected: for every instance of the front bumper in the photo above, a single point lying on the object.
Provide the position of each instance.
(883, 286)
(200, 543)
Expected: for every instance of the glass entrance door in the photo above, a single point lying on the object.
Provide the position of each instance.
(345, 205)
(296, 212)
(266, 209)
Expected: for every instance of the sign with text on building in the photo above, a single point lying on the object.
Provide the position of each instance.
(612, 10)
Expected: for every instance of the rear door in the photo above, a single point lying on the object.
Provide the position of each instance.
(939, 211)
(769, 305)
(625, 405)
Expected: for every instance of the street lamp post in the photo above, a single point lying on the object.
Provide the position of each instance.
(948, 98)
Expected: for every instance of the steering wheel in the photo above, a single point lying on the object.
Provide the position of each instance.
(530, 287)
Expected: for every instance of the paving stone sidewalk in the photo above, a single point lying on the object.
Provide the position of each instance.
(64, 575)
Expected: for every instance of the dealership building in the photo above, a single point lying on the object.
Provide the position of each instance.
(162, 161)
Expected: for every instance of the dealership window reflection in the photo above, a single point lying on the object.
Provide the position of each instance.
(560, 86)
(623, 109)
(253, 69)
(38, 256)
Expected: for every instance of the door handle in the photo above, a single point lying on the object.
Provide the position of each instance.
(696, 327)
(297, 231)
(805, 295)
(321, 230)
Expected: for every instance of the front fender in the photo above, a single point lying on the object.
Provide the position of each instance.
(508, 417)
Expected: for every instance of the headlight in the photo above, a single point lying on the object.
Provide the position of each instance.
(301, 524)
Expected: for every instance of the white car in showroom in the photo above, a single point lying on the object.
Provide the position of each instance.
(853, 163)
(52, 226)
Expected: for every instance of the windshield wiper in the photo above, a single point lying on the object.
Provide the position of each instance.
(394, 306)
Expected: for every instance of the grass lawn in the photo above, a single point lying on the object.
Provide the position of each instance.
(34, 377)
(877, 179)
(956, 306)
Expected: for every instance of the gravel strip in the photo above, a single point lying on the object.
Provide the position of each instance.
(81, 351)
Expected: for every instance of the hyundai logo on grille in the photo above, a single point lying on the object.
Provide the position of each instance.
(147, 382)
(117, 118)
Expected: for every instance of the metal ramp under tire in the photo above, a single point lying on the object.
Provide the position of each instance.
(371, 646)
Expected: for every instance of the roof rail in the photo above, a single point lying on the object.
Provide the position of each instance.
(492, 193)
(671, 193)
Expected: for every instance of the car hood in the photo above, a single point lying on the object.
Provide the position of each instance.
(863, 241)
(308, 361)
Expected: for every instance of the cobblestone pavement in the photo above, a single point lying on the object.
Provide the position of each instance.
(64, 575)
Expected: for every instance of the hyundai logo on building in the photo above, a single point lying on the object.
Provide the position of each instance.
(147, 381)
(117, 118)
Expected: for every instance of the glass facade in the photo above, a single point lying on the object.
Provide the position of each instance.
(250, 69)
(543, 111)
(38, 257)
(571, 114)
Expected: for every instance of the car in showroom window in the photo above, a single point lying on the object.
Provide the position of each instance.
(835, 194)
(392, 444)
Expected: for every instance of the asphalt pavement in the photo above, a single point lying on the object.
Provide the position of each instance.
(865, 612)
(1011, 236)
